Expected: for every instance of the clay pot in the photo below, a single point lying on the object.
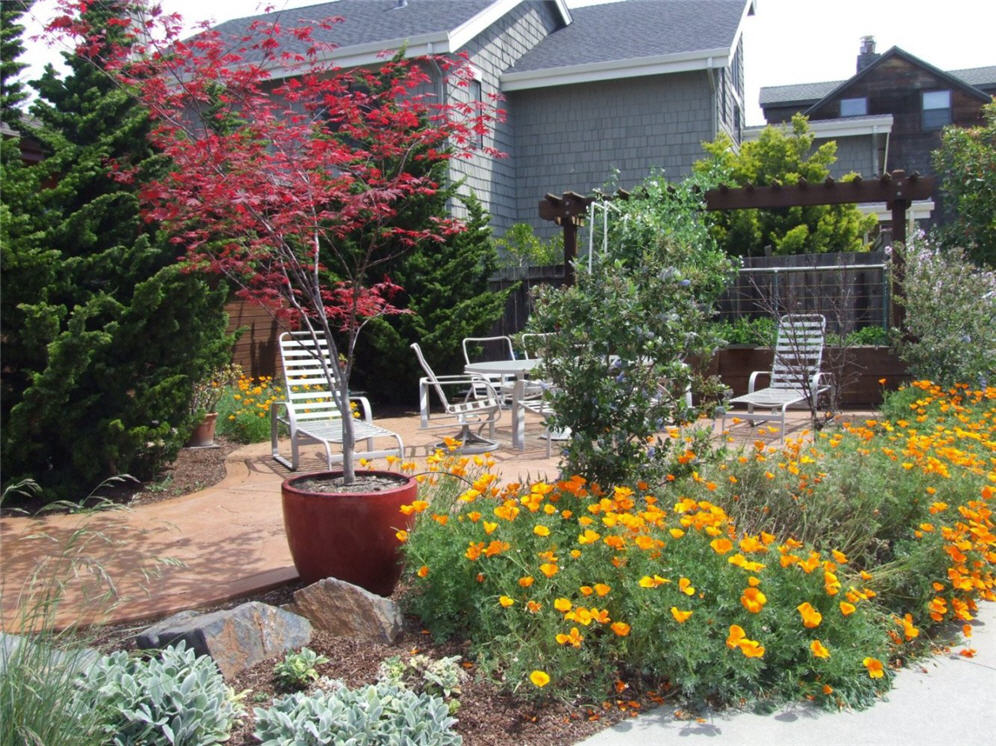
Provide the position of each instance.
(348, 535)
(203, 434)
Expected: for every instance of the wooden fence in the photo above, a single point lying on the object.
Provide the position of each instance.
(850, 289)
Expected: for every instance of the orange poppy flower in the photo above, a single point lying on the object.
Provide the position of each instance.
(874, 666)
(810, 616)
(819, 649)
(753, 600)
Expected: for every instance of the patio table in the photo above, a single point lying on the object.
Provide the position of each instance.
(520, 369)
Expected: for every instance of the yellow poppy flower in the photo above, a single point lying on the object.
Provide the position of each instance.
(539, 678)
(679, 615)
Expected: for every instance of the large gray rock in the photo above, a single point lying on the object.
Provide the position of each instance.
(44, 656)
(344, 609)
(235, 638)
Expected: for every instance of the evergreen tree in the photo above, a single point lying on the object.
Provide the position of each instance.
(448, 298)
(104, 335)
(12, 93)
(785, 158)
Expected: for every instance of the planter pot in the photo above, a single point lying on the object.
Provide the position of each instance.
(347, 535)
(203, 435)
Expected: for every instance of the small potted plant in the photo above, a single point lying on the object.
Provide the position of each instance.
(204, 404)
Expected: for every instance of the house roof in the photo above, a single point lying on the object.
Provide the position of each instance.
(637, 37)
(980, 77)
(890, 54)
(809, 94)
(368, 27)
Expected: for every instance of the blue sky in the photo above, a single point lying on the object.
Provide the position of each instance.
(787, 41)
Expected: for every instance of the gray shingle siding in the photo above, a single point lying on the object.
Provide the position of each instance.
(573, 138)
(853, 154)
(491, 53)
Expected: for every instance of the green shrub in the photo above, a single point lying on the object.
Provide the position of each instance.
(176, 698)
(297, 670)
(244, 409)
(760, 331)
(623, 330)
(948, 335)
(440, 677)
(373, 715)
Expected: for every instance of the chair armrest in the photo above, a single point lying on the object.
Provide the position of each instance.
(365, 405)
(752, 383)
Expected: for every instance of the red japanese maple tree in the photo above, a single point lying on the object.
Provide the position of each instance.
(286, 171)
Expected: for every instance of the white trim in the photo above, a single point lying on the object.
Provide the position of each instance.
(702, 59)
(920, 209)
(828, 128)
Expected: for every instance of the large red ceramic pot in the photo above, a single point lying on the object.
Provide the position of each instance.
(348, 535)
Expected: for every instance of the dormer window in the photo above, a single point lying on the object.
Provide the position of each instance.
(853, 107)
(936, 109)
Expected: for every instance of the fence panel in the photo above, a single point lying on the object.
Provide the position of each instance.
(850, 289)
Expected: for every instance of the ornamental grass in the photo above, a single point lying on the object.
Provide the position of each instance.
(808, 571)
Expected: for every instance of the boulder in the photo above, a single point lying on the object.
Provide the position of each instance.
(346, 610)
(236, 638)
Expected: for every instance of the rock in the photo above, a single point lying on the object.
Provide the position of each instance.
(43, 657)
(344, 609)
(235, 638)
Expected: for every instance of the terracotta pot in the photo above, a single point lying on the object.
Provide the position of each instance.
(203, 434)
(348, 535)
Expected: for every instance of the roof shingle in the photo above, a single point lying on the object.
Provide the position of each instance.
(636, 29)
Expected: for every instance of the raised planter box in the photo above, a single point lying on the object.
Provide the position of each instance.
(859, 368)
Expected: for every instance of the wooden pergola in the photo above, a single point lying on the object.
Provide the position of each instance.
(896, 190)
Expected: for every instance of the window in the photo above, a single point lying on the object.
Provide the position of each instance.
(477, 96)
(936, 109)
(853, 107)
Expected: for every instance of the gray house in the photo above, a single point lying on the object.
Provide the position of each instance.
(616, 88)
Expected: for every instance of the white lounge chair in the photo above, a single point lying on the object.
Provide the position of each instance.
(311, 411)
(795, 375)
(469, 409)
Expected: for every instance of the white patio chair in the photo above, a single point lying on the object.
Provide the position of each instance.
(532, 343)
(476, 349)
(311, 411)
(795, 376)
(467, 409)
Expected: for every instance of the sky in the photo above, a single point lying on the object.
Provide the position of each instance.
(787, 41)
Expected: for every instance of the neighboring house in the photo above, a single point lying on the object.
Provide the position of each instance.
(889, 115)
(622, 87)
